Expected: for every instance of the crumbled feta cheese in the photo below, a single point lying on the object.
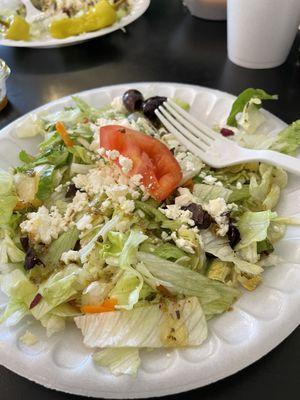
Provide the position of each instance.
(174, 212)
(112, 154)
(183, 244)
(218, 209)
(101, 151)
(185, 197)
(189, 166)
(180, 156)
(84, 223)
(135, 180)
(126, 164)
(108, 182)
(209, 180)
(170, 140)
(80, 203)
(70, 256)
(128, 206)
(117, 104)
(43, 226)
(239, 186)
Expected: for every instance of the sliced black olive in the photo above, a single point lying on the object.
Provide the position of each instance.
(233, 234)
(201, 217)
(150, 105)
(77, 246)
(133, 100)
(71, 191)
(25, 243)
(31, 259)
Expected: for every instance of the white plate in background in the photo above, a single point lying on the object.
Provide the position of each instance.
(259, 321)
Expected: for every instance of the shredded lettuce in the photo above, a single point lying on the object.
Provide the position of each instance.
(288, 141)
(127, 289)
(204, 192)
(169, 252)
(20, 291)
(61, 286)
(265, 188)
(175, 324)
(219, 247)
(120, 361)
(46, 182)
(103, 231)
(253, 227)
(9, 252)
(8, 198)
(243, 99)
(214, 297)
(65, 242)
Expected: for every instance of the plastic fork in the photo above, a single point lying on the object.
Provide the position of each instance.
(211, 147)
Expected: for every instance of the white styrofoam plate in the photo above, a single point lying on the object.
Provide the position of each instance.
(258, 322)
(138, 9)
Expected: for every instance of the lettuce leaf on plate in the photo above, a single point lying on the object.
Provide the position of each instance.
(65, 242)
(120, 361)
(266, 186)
(174, 324)
(215, 297)
(127, 289)
(253, 227)
(243, 99)
(288, 140)
(169, 252)
(219, 247)
(20, 291)
(8, 198)
(204, 192)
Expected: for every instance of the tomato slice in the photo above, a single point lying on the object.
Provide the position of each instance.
(151, 158)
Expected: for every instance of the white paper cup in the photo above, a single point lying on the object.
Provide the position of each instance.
(207, 9)
(260, 33)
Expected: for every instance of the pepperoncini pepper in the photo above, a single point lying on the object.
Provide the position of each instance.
(100, 16)
(18, 29)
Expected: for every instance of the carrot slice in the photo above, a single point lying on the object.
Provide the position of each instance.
(64, 134)
(106, 306)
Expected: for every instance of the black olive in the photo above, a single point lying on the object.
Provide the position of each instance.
(77, 246)
(25, 243)
(71, 191)
(233, 234)
(150, 105)
(31, 259)
(133, 100)
(201, 217)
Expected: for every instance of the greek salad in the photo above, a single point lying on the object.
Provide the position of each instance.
(113, 224)
(61, 18)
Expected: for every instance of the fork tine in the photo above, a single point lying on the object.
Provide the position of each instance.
(192, 130)
(183, 131)
(197, 124)
(187, 143)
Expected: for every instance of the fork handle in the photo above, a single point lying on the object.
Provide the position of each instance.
(288, 163)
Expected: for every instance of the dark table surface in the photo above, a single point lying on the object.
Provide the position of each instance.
(166, 44)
